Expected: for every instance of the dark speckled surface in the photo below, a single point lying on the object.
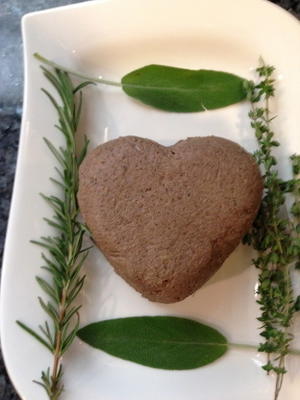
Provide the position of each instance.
(11, 78)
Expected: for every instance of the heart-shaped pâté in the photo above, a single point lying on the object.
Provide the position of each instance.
(166, 218)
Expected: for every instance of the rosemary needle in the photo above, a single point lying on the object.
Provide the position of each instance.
(63, 254)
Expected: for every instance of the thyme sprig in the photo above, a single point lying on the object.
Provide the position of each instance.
(274, 234)
(63, 254)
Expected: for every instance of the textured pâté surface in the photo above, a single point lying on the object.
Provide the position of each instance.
(167, 217)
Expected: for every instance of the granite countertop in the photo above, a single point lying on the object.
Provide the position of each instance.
(11, 79)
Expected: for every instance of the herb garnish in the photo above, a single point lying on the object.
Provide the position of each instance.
(183, 90)
(173, 89)
(64, 252)
(274, 235)
(163, 342)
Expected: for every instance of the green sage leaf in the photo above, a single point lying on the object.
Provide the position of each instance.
(159, 342)
(183, 90)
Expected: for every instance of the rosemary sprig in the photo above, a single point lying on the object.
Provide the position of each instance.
(63, 254)
(274, 235)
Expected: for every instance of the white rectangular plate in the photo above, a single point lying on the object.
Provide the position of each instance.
(111, 38)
